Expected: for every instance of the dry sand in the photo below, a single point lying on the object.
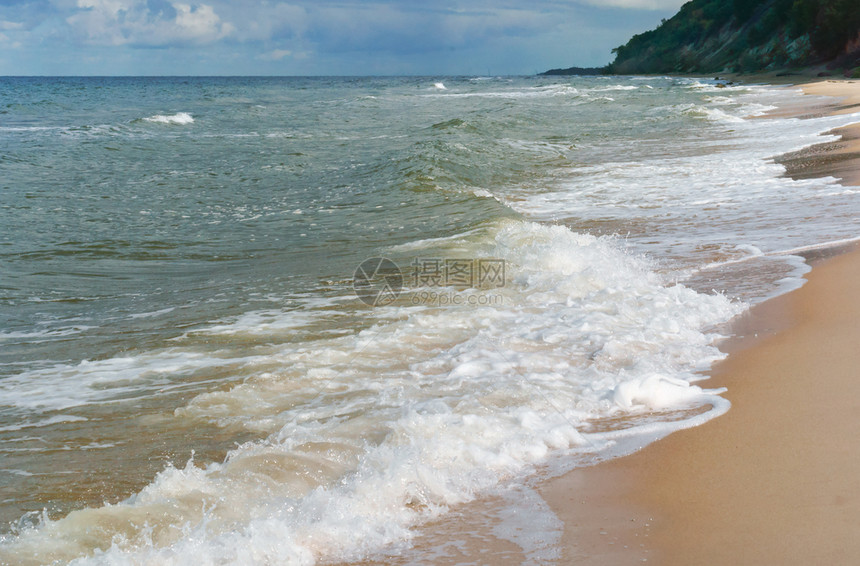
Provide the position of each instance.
(777, 479)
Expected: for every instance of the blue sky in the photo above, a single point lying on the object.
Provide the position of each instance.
(322, 37)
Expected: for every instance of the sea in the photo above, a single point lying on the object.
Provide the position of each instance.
(296, 320)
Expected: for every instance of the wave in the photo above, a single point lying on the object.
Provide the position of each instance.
(710, 113)
(178, 119)
(46, 333)
(516, 93)
(63, 386)
(379, 431)
(43, 423)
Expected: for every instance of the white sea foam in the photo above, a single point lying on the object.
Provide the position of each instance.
(268, 322)
(178, 119)
(711, 113)
(152, 314)
(528, 522)
(549, 91)
(657, 392)
(44, 333)
(63, 386)
(373, 433)
(31, 128)
(615, 87)
(56, 419)
(819, 246)
(735, 195)
(15, 472)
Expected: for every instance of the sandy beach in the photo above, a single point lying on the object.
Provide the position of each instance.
(777, 479)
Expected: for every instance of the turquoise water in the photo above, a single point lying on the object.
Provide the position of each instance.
(176, 277)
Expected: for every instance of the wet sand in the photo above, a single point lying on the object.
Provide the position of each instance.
(777, 479)
(840, 159)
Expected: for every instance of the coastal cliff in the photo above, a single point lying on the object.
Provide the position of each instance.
(742, 36)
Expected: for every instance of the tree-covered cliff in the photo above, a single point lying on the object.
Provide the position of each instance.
(708, 36)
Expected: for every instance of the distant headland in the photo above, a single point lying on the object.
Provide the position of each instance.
(743, 36)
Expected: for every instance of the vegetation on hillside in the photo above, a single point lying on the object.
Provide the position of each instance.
(746, 35)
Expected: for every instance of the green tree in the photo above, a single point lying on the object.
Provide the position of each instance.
(802, 17)
(743, 9)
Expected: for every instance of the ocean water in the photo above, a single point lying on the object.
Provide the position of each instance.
(199, 365)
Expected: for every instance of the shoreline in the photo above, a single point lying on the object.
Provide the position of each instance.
(841, 158)
(773, 481)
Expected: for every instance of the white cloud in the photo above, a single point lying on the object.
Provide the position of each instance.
(201, 22)
(121, 22)
(9, 26)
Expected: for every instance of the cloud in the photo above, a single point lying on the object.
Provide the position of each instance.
(266, 21)
(395, 28)
(147, 23)
(275, 55)
(9, 26)
(319, 36)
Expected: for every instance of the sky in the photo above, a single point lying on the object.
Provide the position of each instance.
(316, 37)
